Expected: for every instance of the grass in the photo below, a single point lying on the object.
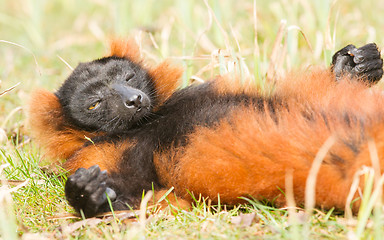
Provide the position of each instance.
(38, 38)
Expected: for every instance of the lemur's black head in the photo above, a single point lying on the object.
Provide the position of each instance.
(109, 94)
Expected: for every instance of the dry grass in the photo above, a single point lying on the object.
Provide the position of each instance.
(40, 41)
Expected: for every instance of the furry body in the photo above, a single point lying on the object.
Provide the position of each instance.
(224, 138)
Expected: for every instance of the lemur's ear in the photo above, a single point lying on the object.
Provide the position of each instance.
(126, 49)
(44, 113)
(166, 77)
(50, 129)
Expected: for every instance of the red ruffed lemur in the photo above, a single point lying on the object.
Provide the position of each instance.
(123, 128)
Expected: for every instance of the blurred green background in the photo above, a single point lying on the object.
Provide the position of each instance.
(38, 38)
(52, 32)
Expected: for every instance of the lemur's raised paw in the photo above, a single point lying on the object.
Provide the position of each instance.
(87, 190)
(364, 63)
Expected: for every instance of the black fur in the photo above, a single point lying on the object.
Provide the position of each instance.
(196, 106)
(122, 92)
(169, 127)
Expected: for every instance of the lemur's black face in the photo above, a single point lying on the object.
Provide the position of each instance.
(109, 94)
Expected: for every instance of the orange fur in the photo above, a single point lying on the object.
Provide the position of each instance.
(166, 78)
(105, 154)
(318, 87)
(230, 84)
(50, 129)
(170, 199)
(253, 163)
(250, 156)
(306, 86)
(126, 48)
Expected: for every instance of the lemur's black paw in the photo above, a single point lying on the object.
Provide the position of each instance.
(86, 190)
(364, 63)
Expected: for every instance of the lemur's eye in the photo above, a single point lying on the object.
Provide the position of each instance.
(129, 76)
(94, 105)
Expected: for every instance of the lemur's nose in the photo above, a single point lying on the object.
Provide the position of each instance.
(134, 101)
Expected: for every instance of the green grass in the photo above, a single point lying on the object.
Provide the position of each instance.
(190, 32)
